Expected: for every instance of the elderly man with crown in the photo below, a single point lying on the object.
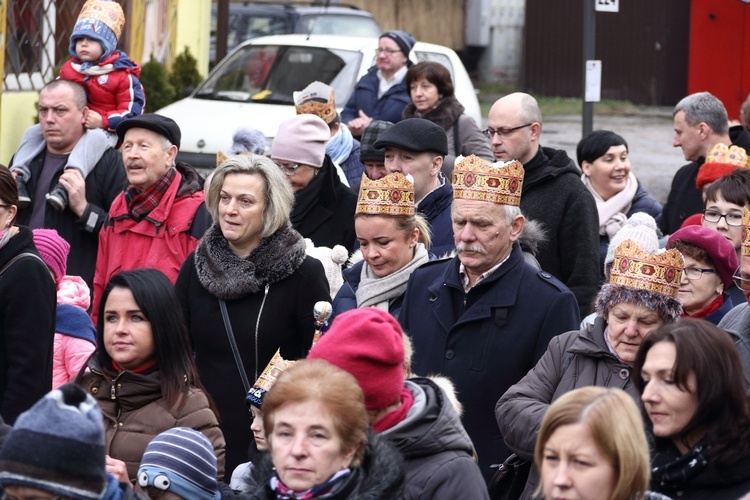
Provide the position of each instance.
(484, 317)
(737, 321)
(640, 297)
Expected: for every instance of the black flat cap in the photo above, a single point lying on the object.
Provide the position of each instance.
(415, 134)
(151, 121)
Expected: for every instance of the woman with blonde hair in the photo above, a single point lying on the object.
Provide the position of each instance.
(592, 445)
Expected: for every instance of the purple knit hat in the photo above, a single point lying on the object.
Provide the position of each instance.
(53, 250)
(301, 139)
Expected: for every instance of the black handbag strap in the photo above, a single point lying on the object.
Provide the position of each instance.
(18, 257)
(233, 343)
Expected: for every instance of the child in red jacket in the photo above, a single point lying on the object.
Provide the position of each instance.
(114, 92)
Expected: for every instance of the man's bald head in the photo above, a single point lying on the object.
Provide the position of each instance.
(518, 118)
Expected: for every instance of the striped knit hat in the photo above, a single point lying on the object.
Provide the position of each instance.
(180, 460)
(58, 446)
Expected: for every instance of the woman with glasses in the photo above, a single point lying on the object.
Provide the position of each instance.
(603, 157)
(323, 206)
(640, 297)
(432, 98)
(710, 261)
(248, 289)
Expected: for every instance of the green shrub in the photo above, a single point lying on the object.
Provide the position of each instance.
(185, 75)
(155, 80)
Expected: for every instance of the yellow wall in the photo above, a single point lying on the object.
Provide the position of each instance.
(17, 116)
(194, 30)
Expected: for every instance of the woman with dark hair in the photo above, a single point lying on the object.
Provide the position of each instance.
(640, 297)
(27, 311)
(252, 264)
(603, 157)
(317, 431)
(722, 209)
(690, 379)
(433, 98)
(142, 373)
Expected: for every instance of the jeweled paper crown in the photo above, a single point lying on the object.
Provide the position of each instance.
(308, 102)
(657, 273)
(109, 13)
(389, 195)
(745, 232)
(728, 155)
(476, 179)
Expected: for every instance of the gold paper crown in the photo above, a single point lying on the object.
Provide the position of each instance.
(745, 232)
(308, 102)
(657, 273)
(728, 155)
(109, 13)
(475, 179)
(389, 195)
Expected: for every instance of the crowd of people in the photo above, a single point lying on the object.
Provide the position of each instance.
(507, 324)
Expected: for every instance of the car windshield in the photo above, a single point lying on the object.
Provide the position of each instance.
(271, 73)
(327, 24)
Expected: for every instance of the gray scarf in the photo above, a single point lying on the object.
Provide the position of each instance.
(227, 276)
(374, 291)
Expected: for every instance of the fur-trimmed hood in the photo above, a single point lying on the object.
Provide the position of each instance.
(227, 276)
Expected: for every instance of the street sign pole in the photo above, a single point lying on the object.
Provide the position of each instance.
(589, 52)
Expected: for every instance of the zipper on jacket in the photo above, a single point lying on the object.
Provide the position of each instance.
(257, 325)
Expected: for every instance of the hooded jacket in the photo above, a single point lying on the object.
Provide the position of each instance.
(437, 451)
(112, 86)
(554, 196)
(574, 359)
(389, 107)
(161, 240)
(380, 477)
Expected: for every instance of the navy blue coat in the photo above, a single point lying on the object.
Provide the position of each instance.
(642, 202)
(346, 298)
(436, 207)
(365, 97)
(487, 340)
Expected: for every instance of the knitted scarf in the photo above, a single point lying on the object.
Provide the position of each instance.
(283, 492)
(340, 145)
(714, 306)
(398, 415)
(376, 292)
(669, 473)
(227, 276)
(613, 212)
(142, 202)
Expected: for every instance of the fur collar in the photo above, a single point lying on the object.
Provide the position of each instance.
(227, 276)
(445, 113)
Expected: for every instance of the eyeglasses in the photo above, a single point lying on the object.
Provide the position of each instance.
(289, 169)
(390, 52)
(740, 282)
(714, 216)
(695, 273)
(504, 133)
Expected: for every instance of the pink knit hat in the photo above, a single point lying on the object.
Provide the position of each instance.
(302, 140)
(53, 250)
(367, 343)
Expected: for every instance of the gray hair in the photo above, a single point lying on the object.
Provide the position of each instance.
(510, 212)
(704, 107)
(278, 193)
(79, 93)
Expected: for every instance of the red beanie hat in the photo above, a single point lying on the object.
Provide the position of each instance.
(368, 343)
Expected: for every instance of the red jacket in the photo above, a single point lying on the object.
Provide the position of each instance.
(162, 240)
(112, 86)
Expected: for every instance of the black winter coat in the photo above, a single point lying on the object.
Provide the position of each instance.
(436, 208)
(380, 477)
(554, 196)
(285, 321)
(685, 199)
(486, 340)
(324, 210)
(103, 185)
(27, 327)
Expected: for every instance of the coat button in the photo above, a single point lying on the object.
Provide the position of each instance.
(95, 390)
(624, 374)
(449, 354)
(120, 424)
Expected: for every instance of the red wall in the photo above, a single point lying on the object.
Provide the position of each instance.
(719, 60)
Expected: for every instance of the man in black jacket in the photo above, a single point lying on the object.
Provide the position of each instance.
(700, 122)
(62, 114)
(553, 196)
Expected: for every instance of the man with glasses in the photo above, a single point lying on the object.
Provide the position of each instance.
(62, 114)
(381, 94)
(553, 196)
(737, 321)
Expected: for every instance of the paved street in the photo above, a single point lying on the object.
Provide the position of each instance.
(649, 137)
